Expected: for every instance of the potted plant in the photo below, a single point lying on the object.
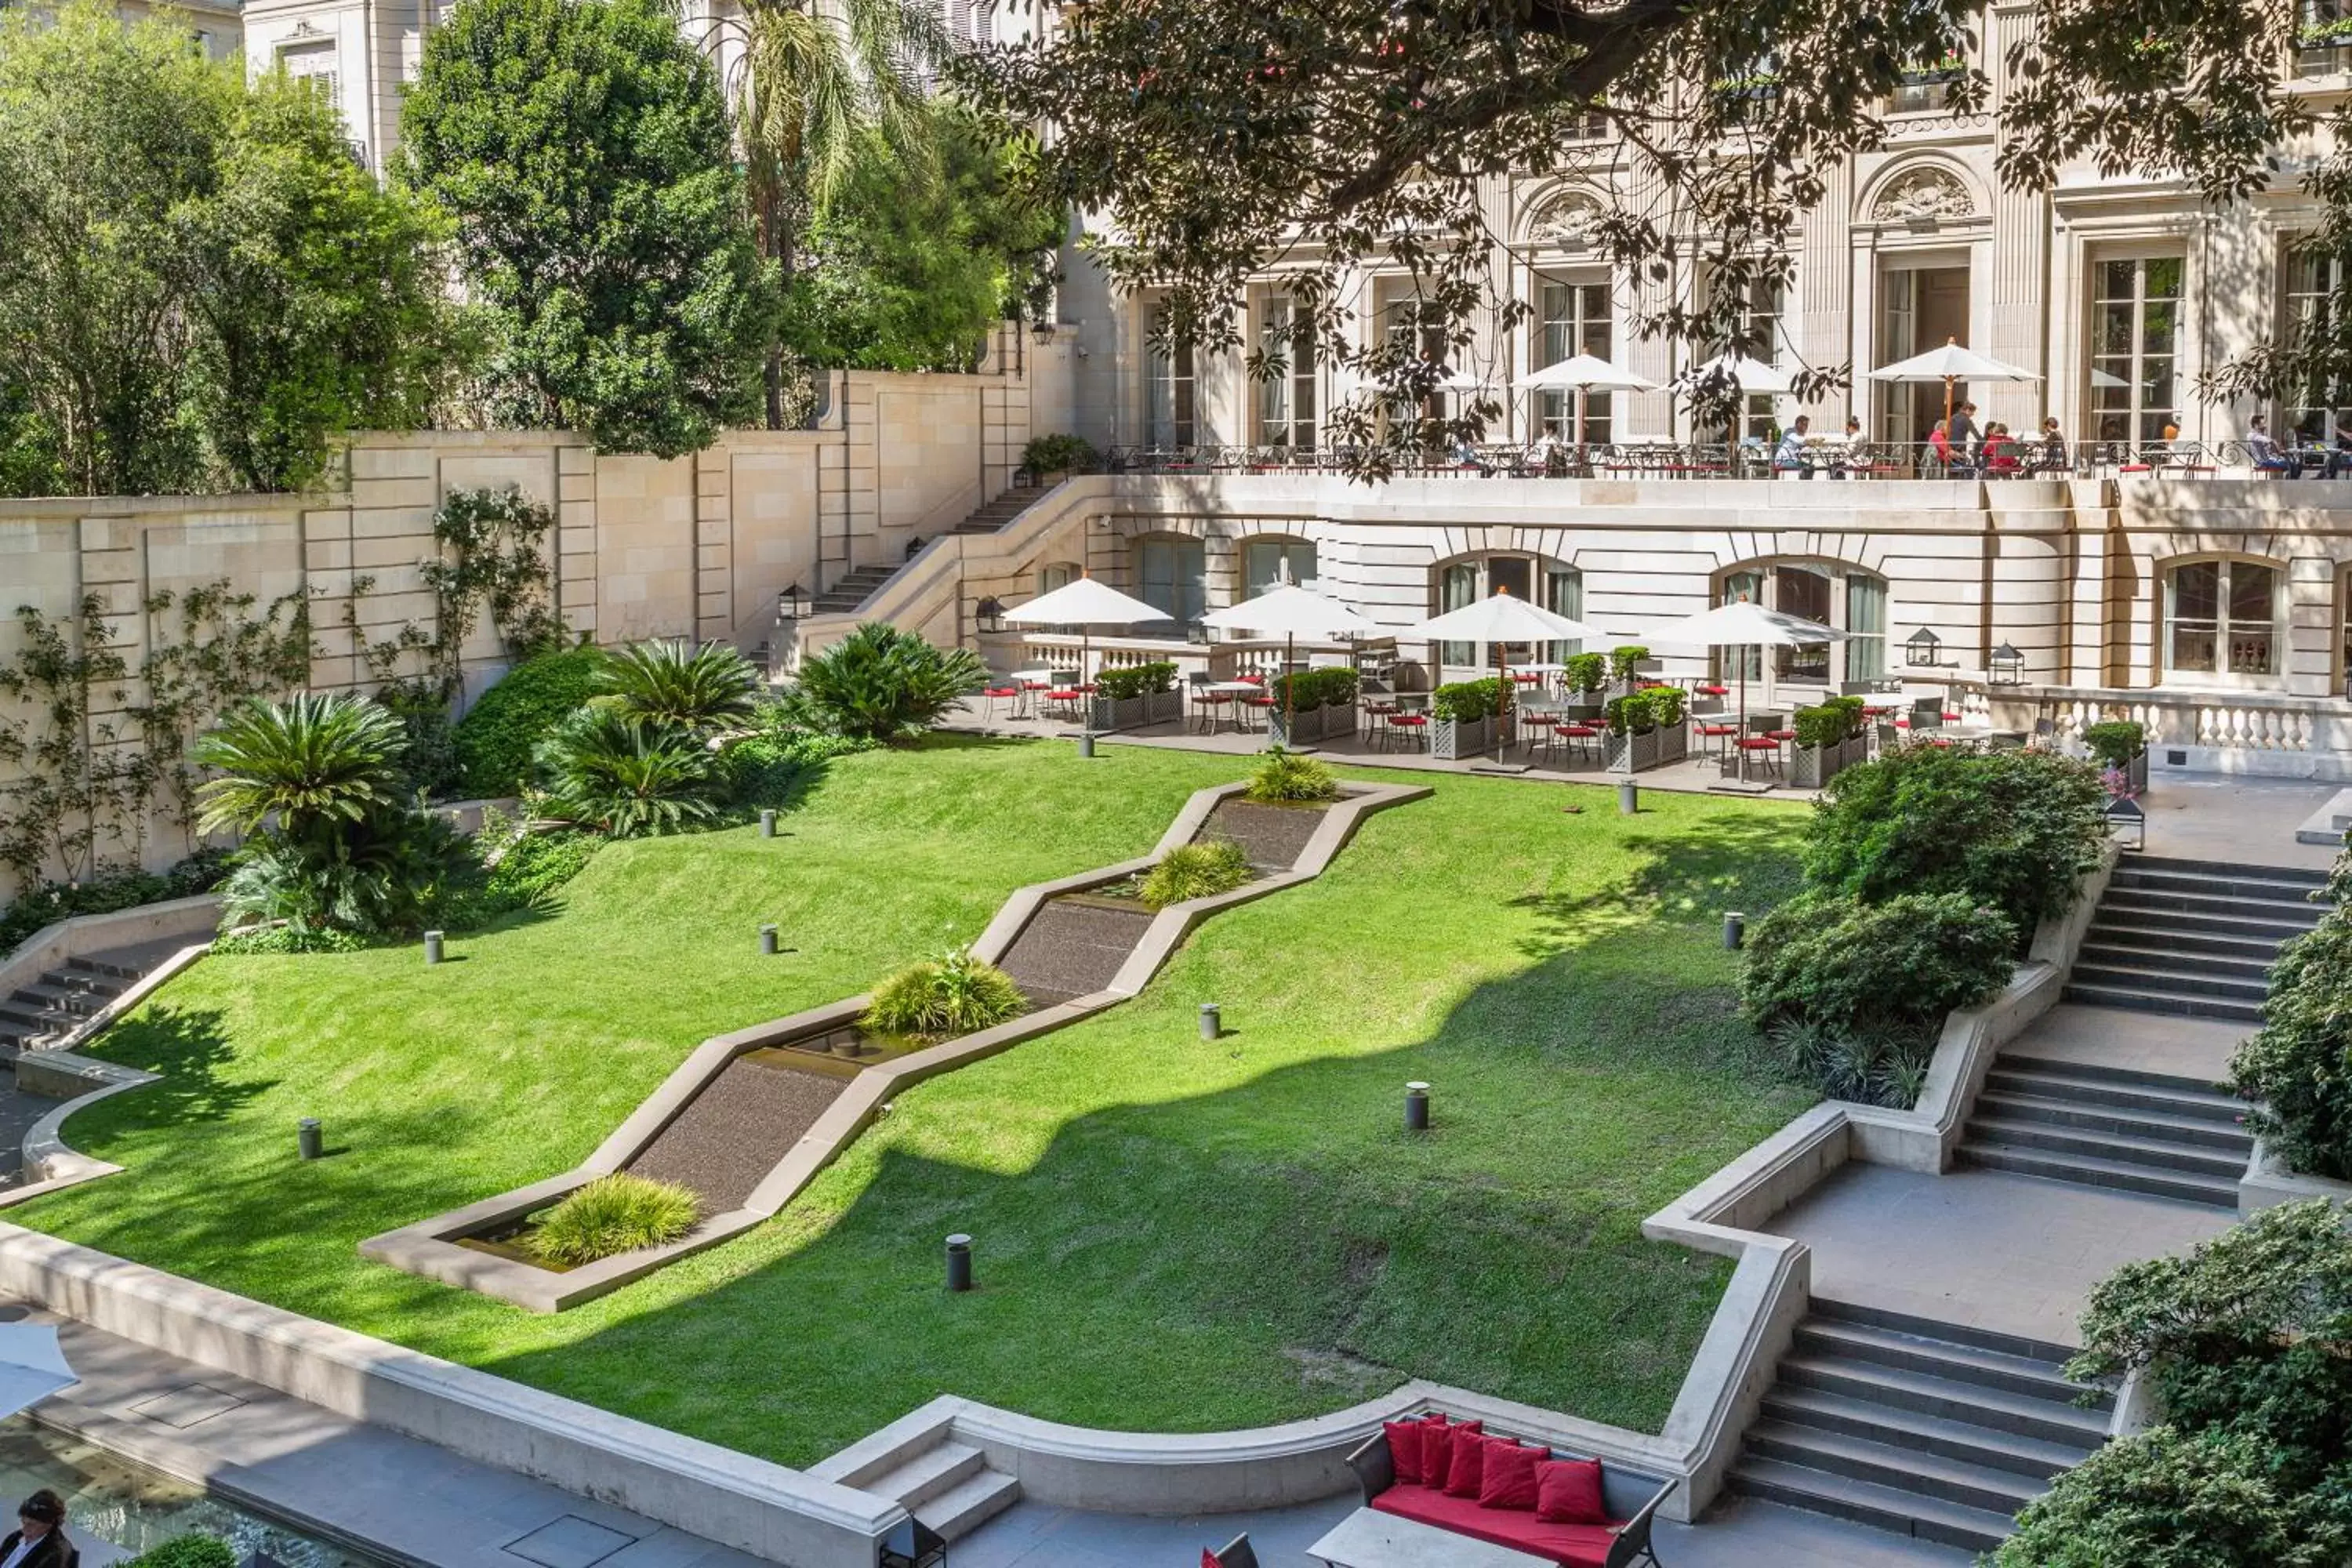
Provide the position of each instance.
(1646, 730)
(1053, 458)
(1136, 696)
(1462, 717)
(1829, 738)
(1586, 676)
(1311, 705)
(1922, 72)
(1625, 666)
(2120, 745)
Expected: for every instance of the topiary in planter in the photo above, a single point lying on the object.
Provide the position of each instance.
(1195, 871)
(613, 1214)
(2116, 743)
(1286, 776)
(940, 997)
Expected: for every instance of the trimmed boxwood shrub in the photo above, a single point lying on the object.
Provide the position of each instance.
(1586, 672)
(1622, 660)
(1137, 680)
(613, 1214)
(2298, 1066)
(1859, 969)
(1838, 720)
(1667, 704)
(1465, 702)
(2116, 742)
(1307, 689)
(186, 1552)
(1195, 871)
(497, 737)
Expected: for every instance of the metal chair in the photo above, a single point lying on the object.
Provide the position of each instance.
(1236, 1553)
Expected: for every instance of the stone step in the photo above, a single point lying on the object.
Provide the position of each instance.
(1884, 1508)
(928, 1474)
(2167, 981)
(2179, 1004)
(2085, 1171)
(2106, 953)
(104, 972)
(1915, 1470)
(2011, 1076)
(2176, 1130)
(2250, 882)
(2033, 1458)
(2162, 1152)
(48, 998)
(1941, 1358)
(2293, 913)
(2261, 950)
(969, 1503)
(2302, 876)
(2057, 1355)
(2112, 916)
(1902, 1388)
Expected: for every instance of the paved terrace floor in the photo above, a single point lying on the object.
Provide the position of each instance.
(393, 1497)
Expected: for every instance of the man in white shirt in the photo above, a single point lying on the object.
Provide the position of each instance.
(1789, 458)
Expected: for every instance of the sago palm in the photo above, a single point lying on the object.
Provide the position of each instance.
(667, 682)
(307, 760)
(879, 683)
(626, 777)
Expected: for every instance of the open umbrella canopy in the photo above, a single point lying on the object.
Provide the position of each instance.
(1740, 625)
(1951, 362)
(1750, 375)
(1085, 603)
(1499, 619)
(32, 1367)
(1291, 611)
(1588, 371)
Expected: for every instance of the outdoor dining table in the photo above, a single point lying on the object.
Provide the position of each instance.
(1237, 690)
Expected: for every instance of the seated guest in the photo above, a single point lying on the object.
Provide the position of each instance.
(2264, 450)
(1789, 456)
(2052, 458)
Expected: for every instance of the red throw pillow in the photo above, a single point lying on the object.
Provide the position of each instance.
(1404, 1449)
(1209, 1559)
(1467, 1467)
(1507, 1474)
(1568, 1492)
(1437, 1447)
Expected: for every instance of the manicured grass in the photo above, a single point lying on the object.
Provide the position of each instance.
(1172, 1234)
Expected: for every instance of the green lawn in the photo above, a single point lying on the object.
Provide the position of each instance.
(1172, 1234)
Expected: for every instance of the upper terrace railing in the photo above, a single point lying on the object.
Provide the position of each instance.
(1830, 458)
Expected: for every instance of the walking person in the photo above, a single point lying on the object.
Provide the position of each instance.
(39, 1539)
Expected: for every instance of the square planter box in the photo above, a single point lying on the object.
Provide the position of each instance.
(1138, 712)
(1634, 753)
(1810, 767)
(1309, 724)
(1460, 741)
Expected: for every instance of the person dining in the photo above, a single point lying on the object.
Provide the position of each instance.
(2000, 458)
(2052, 458)
(2262, 449)
(2339, 461)
(1939, 447)
(1789, 456)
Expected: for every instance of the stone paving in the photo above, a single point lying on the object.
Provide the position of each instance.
(2144, 1042)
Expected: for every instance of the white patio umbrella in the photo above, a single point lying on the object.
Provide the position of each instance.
(1584, 374)
(1295, 613)
(1950, 364)
(1496, 620)
(32, 1367)
(1742, 626)
(1750, 375)
(1085, 604)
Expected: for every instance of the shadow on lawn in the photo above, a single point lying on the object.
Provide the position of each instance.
(1691, 874)
(1270, 1249)
(188, 1046)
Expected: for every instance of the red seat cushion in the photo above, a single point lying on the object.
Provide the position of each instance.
(1508, 1475)
(1404, 1449)
(1410, 719)
(1001, 691)
(1760, 743)
(1718, 729)
(1468, 1468)
(1209, 1559)
(1582, 731)
(1781, 734)
(1715, 690)
(1571, 1545)
(1568, 1492)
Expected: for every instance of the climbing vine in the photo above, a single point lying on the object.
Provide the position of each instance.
(496, 558)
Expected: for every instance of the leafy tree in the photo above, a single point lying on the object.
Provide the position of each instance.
(879, 683)
(583, 151)
(1219, 136)
(2297, 1069)
(200, 285)
(915, 261)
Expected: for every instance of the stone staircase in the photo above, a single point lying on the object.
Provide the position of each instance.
(61, 1001)
(2191, 937)
(2109, 1127)
(945, 1484)
(1928, 1429)
(853, 590)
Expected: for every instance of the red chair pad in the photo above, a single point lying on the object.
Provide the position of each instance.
(1571, 1545)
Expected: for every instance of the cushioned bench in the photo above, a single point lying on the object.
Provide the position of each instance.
(1574, 1510)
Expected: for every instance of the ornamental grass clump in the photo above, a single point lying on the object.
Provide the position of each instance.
(613, 1214)
(941, 997)
(1287, 778)
(1195, 871)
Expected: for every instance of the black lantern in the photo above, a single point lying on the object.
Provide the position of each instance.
(913, 1544)
(2007, 666)
(2127, 820)
(793, 603)
(1921, 649)
(989, 615)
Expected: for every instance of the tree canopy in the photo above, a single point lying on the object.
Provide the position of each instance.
(583, 149)
(201, 285)
(1225, 137)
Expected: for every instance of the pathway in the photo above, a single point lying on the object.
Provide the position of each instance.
(398, 1497)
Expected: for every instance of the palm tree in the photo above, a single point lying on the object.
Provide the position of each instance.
(309, 760)
(818, 75)
(668, 683)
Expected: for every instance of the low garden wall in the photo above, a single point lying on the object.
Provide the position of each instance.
(192, 918)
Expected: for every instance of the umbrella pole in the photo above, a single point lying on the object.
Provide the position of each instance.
(1086, 698)
(1289, 689)
(1502, 702)
(1743, 717)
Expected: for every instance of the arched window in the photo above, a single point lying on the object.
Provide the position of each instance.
(1172, 574)
(1538, 579)
(1266, 561)
(1829, 591)
(2221, 619)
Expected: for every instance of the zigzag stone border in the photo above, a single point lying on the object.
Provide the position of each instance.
(430, 1247)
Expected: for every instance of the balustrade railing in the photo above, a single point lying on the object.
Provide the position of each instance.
(2223, 721)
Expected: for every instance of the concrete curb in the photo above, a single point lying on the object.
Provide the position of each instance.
(85, 1080)
(431, 1247)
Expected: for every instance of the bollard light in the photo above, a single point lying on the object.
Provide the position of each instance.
(431, 947)
(767, 942)
(958, 1262)
(768, 823)
(309, 1139)
(1629, 798)
(1213, 1020)
(1734, 930)
(1416, 1107)
(1085, 744)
